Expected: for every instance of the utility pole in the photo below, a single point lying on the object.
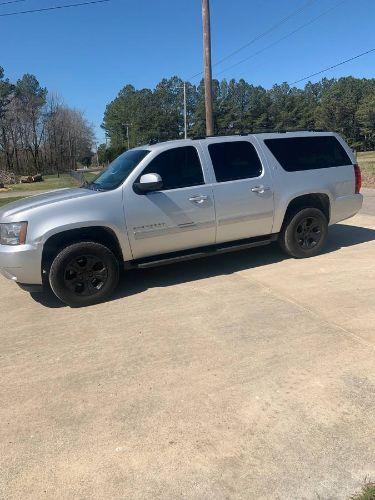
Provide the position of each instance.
(97, 155)
(207, 66)
(185, 112)
(127, 132)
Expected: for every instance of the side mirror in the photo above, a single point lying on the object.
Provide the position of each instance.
(148, 183)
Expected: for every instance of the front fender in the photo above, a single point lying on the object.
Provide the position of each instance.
(104, 209)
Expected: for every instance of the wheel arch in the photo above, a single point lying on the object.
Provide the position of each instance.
(60, 240)
(314, 200)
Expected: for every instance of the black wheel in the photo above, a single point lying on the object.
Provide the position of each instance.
(84, 273)
(304, 233)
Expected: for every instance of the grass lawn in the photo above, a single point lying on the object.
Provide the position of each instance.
(50, 182)
(4, 201)
(367, 163)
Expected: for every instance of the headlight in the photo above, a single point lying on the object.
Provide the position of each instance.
(13, 233)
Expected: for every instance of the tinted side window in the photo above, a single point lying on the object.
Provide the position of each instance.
(307, 153)
(178, 167)
(234, 160)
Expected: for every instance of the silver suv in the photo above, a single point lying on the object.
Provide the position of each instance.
(177, 200)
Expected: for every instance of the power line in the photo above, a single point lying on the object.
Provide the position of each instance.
(272, 28)
(334, 66)
(54, 8)
(12, 1)
(282, 38)
(261, 35)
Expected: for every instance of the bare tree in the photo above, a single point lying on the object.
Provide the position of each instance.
(38, 132)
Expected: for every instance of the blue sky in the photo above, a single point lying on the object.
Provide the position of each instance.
(87, 54)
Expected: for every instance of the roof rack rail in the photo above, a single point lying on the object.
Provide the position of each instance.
(257, 131)
(302, 130)
(271, 131)
(198, 138)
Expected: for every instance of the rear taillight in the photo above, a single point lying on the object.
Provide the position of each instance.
(358, 178)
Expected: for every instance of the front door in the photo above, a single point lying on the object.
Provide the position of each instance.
(243, 190)
(179, 216)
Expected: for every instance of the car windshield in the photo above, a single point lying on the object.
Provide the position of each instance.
(117, 171)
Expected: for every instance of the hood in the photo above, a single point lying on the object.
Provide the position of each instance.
(40, 200)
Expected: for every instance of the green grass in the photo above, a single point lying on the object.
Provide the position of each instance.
(50, 182)
(367, 155)
(367, 493)
(367, 163)
(4, 201)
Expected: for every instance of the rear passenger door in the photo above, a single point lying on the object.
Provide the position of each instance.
(243, 190)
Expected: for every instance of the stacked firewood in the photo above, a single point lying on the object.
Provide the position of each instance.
(7, 177)
(28, 179)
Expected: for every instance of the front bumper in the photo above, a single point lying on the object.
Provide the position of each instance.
(21, 263)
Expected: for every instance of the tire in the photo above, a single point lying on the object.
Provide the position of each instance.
(84, 273)
(304, 233)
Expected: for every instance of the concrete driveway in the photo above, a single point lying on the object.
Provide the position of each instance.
(247, 375)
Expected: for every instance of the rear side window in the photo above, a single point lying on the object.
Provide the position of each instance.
(178, 168)
(234, 160)
(308, 153)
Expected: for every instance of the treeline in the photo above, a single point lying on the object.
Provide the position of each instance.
(38, 132)
(346, 105)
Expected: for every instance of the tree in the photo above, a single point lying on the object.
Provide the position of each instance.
(6, 95)
(31, 98)
(150, 115)
(365, 116)
(38, 132)
(345, 106)
(338, 107)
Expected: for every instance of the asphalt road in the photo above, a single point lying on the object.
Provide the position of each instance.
(247, 375)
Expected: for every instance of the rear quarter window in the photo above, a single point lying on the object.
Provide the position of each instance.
(308, 153)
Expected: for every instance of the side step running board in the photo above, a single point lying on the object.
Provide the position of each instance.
(198, 253)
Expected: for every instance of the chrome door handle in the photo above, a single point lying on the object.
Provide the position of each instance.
(198, 199)
(260, 189)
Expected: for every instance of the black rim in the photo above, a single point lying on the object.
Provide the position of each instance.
(309, 232)
(85, 275)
